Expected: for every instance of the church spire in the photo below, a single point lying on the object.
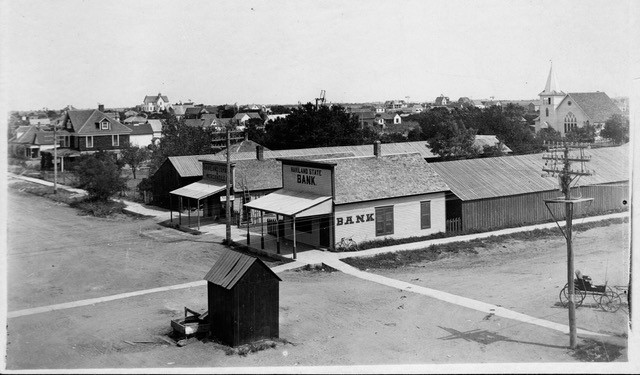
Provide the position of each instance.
(552, 83)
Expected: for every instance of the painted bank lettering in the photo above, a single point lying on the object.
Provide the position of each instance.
(306, 176)
(359, 219)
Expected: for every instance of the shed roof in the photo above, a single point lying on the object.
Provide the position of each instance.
(231, 267)
(199, 189)
(156, 125)
(473, 179)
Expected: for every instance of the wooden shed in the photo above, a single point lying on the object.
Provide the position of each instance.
(243, 296)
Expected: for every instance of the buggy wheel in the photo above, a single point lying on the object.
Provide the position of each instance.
(578, 295)
(610, 301)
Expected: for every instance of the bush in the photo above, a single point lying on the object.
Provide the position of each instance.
(98, 208)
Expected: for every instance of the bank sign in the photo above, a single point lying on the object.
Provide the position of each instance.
(216, 172)
(307, 179)
(354, 219)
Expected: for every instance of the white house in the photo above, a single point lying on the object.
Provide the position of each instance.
(155, 103)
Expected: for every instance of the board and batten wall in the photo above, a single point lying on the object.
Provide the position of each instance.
(525, 209)
(406, 218)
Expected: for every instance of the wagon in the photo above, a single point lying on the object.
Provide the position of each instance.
(604, 296)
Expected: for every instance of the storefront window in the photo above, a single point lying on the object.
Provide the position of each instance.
(384, 220)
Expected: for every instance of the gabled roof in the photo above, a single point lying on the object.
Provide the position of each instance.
(83, 122)
(489, 140)
(473, 179)
(371, 178)
(154, 98)
(203, 122)
(135, 119)
(156, 125)
(231, 267)
(596, 105)
(195, 111)
(35, 136)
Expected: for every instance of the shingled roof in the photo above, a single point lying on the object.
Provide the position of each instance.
(596, 105)
(153, 98)
(230, 268)
(371, 178)
(83, 122)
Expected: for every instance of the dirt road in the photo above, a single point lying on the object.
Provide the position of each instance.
(331, 319)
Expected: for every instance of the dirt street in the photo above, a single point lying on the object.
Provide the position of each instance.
(329, 318)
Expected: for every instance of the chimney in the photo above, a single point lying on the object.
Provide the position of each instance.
(246, 136)
(260, 152)
(100, 107)
(377, 149)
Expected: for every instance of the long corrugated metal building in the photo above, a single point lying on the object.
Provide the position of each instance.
(510, 190)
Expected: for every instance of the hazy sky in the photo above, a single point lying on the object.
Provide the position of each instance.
(77, 52)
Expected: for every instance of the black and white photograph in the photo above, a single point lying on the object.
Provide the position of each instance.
(279, 186)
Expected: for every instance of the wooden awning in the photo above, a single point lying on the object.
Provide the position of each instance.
(292, 203)
(199, 190)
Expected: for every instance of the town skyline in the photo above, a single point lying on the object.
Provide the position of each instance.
(283, 53)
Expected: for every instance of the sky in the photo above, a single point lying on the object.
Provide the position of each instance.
(56, 53)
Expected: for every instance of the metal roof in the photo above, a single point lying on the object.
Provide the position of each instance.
(473, 179)
(231, 267)
(289, 203)
(199, 190)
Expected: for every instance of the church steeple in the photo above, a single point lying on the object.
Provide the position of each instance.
(551, 88)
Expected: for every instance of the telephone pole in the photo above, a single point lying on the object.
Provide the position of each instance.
(55, 160)
(558, 163)
(228, 208)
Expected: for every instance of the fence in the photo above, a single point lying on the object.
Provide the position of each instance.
(454, 225)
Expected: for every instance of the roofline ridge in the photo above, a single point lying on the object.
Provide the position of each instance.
(86, 121)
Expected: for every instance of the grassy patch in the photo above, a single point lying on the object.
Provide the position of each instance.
(364, 245)
(98, 208)
(169, 224)
(62, 196)
(594, 351)
(434, 252)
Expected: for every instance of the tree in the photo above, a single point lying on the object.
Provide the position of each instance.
(99, 174)
(134, 156)
(307, 127)
(255, 130)
(616, 129)
(586, 133)
(179, 139)
(452, 141)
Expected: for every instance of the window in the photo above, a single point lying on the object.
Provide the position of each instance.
(547, 111)
(104, 125)
(384, 220)
(89, 141)
(569, 102)
(425, 215)
(115, 140)
(570, 122)
(548, 100)
(304, 225)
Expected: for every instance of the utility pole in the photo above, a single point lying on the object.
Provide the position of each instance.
(55, 161)
(228, 207)
(558, 163)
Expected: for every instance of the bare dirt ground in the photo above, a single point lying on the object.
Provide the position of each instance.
(330, 319)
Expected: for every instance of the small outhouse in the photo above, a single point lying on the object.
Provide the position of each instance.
(243, 299)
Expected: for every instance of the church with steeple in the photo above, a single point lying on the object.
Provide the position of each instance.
(566, 111)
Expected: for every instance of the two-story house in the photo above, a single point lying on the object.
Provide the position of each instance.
(155, 103)
(91, 130)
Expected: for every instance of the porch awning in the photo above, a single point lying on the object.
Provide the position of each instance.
(292, 203)
(199, 190)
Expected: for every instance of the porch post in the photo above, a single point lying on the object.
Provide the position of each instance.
(189, 212)
(262, 230)
(180, 210)
(294, 237)
(277, 233)
(170, 210)
(198, 214)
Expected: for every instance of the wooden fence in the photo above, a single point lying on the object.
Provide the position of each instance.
(454, 225)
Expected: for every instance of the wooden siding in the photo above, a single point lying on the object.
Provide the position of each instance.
(249, 311)
(100, 142)
(406, 218)
(530, 208)
(164, 181)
